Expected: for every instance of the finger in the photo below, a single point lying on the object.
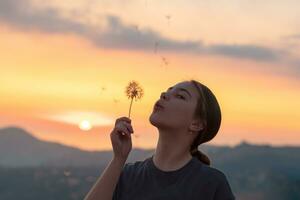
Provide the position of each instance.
(122, 130)
(129, 127)
(125, 124)
(124, 119)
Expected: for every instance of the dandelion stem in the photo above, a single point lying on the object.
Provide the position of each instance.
(130, 107)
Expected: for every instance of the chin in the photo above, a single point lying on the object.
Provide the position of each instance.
(154, 120)
(157, 121)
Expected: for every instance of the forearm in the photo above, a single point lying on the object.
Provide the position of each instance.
(104, 187)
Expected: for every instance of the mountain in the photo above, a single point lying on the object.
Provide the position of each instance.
(18, 148)
(258, 157)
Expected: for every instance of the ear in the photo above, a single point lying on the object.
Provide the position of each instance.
(196, 125)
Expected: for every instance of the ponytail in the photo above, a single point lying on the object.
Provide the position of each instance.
(200, 155)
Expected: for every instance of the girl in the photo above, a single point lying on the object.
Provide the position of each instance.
(186, 116)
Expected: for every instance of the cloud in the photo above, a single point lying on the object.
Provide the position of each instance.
(119, 35)
(21, 14)
(292, 37)
(295, 36)
(245, 51)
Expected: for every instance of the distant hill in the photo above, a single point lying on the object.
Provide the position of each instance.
(18, 148)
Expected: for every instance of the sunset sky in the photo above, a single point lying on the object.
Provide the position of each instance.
(63, 62)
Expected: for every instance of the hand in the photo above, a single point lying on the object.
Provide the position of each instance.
(121, 137)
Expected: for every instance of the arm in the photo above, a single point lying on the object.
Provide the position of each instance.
(104, 187)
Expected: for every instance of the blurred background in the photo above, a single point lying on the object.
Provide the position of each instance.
(64, 66)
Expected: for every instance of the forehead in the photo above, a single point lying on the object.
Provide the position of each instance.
(189, 87)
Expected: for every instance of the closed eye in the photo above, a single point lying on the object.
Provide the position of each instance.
(181, 96)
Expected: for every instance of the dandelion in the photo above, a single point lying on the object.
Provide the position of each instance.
(133, 90)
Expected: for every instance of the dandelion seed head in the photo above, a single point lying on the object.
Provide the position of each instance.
(133, 90)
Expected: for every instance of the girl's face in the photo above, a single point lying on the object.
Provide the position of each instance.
(179, 104)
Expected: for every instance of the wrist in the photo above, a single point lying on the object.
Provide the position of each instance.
(120, 160)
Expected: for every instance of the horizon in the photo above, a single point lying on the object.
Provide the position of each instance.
(242, 143)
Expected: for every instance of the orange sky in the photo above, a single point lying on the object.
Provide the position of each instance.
(51, 79)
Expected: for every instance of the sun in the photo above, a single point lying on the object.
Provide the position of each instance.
(85, 125)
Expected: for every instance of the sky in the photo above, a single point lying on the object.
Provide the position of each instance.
(64, 66)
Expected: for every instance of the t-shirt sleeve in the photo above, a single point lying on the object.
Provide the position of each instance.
(223, 191)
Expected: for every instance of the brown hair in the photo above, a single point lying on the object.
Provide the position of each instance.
(208, 110)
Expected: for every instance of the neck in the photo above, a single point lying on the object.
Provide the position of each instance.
(172, 151)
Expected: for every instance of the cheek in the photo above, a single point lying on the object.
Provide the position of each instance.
(181, 114)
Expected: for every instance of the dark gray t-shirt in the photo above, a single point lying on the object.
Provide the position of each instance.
(142, 180)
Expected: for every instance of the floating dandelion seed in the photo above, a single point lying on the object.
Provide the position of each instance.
(116, 100)
(155, 46)
(103, 88)
(136, 27)
(164, 60)
(168, 18)
(133, 90)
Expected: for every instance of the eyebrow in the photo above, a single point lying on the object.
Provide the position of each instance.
(182, 89)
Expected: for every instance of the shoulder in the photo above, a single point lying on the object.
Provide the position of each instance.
(133, 168)
(212, 173)
(215, 173)
(223, 189)
(135, 165)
